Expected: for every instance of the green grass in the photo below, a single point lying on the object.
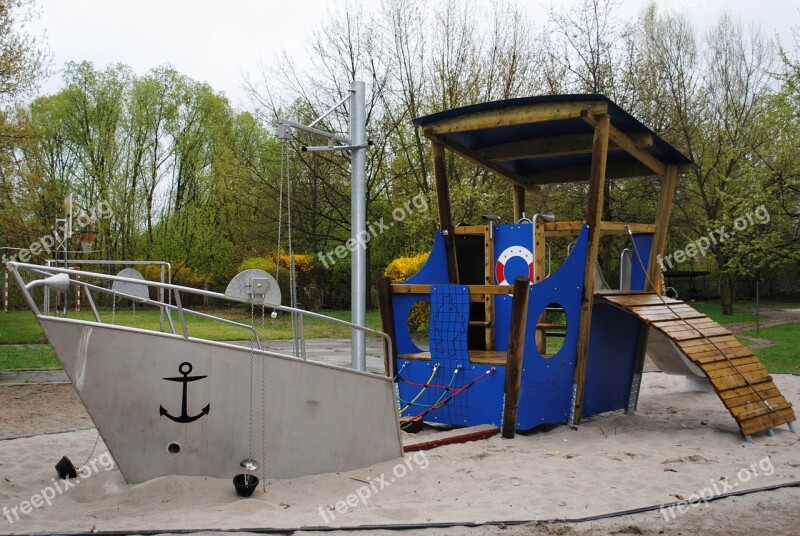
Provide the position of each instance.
(742, 311)
(784, 356)
(20, 327)
(27, 357)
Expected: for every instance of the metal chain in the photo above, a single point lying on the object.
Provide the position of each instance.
(113, 307)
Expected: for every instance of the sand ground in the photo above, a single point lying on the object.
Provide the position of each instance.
(678, 444)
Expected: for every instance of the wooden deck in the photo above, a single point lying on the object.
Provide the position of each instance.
(738, 377)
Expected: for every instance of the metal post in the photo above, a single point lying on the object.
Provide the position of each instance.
(358, 171)
(758, 310)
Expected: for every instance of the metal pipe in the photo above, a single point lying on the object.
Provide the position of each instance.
(180, 313)
(328, 135)
(92, 304)
(358, 171)
(15, 266)
(547, 217)
(326, 114)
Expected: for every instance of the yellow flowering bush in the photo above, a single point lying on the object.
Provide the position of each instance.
(401, 269)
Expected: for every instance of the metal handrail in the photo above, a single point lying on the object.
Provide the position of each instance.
(176, 289)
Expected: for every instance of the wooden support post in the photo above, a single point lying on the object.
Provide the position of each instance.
(540, 252)
(384, 287)
(488, 279)
(668, 183)
(516, 347)
(519, 202)
(594, 212)
(445, 214)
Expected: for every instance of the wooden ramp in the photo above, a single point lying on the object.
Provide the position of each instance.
(738, 377)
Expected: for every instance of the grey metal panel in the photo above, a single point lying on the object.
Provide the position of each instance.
(319, 418)
(131, 289)
(255, 285)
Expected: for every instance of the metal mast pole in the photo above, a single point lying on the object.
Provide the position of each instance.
(358, 190)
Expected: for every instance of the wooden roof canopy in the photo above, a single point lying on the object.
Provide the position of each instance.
(548, 139)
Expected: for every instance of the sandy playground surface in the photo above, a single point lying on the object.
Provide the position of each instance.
(678, 444)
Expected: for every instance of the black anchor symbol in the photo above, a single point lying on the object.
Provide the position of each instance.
(184, 368)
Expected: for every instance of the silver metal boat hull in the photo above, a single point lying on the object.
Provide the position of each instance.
(317, 418)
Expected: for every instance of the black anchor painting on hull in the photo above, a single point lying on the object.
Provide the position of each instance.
(185, 369)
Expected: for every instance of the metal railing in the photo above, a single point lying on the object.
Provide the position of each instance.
(176, 290)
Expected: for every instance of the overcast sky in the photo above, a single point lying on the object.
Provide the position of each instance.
(217, 41)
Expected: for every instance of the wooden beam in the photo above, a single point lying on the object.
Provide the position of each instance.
(554, 146)
(517, 115)
(539, 251)
(516, 346)
(386, 312)
(470, 230)
(616, 227)
(624, 141)
(519, 202)
(488, 279)
(473, 157)
(668, 184)
(594, 212)
(445, 213)
(474, 290)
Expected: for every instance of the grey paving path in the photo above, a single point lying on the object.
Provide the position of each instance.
(334, 351)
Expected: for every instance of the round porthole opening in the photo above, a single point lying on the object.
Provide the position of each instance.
(174, 448)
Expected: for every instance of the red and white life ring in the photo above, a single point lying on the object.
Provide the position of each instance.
(505, 256)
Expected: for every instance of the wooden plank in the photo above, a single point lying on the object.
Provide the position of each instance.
(594, 212)
(633, 300)
(730, 382)
(386, 313)
(751, 397)
(445, 213)
(755, 409)
(735, 362)
(702, 358)
(720, 341)
(741, 391)
(615, 227)
(449, 437)
(539, 252)
(517, 115)
(765, 422)
(731, 370)
(516, 345)
(677, 308)
(649, 318)
(488, 357)
(478, 290)
(470, 230)
(420, 356)
(615, 170)
(562, 228)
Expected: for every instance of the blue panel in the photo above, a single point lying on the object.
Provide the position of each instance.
(401, 307)
(612, 352)
(435, 268)
(546, 390)
(502, 321)
(449, 366)
(643, 241)
(433, 271)
(516, 241)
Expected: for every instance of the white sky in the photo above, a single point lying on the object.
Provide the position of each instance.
(217, 41)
